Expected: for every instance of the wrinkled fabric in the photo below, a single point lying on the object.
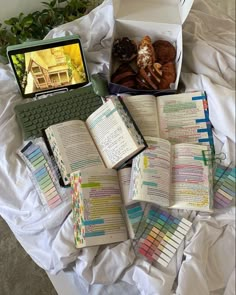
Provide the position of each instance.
(204, 263)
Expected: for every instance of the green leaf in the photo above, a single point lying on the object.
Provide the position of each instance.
(50, 4)
(27, 21)
(46, 3)
(11, 21)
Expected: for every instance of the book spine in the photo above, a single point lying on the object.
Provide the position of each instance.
(55, 157)
(128, 119)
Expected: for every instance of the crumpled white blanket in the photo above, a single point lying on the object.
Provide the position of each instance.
(204, 263)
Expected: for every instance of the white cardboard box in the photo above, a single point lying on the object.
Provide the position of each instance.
(159, 19)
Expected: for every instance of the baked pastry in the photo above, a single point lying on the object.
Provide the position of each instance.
(150, 76)
(125, 76)
(142, 83)
(164, 51)
(146, 54)
(124, 49)
(168, 75)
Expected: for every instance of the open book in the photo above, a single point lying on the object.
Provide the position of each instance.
(109, 137)
(97, 207)
(179, 118)
(100, 217)
(175, 176)
(99, 201)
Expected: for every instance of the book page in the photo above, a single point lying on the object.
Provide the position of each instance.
(132, 209)
(183, 118)
(101, 219)
(115, 137)
(72, 147)
(143, 109)
(124, 181)
(150, 176)
(191, 183)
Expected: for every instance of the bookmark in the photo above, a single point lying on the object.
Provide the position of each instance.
(224, 186)
(135, 214)
(162, 236)
(42, 174)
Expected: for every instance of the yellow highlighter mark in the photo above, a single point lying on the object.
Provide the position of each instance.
(145, 162)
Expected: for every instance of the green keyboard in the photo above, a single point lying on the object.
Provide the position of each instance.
(37, 115)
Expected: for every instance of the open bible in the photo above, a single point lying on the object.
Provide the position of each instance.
(179, 118)
(175, 176)
(97, 207)
(108, 138)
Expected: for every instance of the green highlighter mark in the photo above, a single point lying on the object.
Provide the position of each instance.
(90, 184)
(149, 183)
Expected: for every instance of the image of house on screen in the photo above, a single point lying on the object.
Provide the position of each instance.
(51, 68)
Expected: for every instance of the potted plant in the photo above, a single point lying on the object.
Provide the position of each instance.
(36, 25)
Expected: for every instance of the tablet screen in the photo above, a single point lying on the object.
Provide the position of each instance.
(47, 67)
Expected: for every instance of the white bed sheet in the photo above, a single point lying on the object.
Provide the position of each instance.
(209, 250)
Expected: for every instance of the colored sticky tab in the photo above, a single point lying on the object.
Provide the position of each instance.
(173, 237)
(165, 251)
(181, 230)
(163, 217)
(34, 153)
(224, 187)
(203, 140)
(184, 226)
(134, 215)
(42, 174)
(168, 246)
(179, 235)
(202, 130)
(134, 210)
(162, 262)
(165, 257)
(171, 242)
(203, 120)
(185, 221)
(162, 236)
(201, 97)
